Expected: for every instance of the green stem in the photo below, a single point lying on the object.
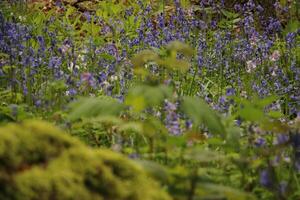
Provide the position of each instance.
(193, 81)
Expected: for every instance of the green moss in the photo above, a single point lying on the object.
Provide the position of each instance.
(39, 162)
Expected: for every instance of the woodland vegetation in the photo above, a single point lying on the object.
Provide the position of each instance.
(149, 100)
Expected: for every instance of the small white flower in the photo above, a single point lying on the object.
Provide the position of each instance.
(244, 94)
(21, 18)
(275, 56)
(81, 57)
(158, 114)
(65, 48)
(114, 78)
(287, 159)
(105, 83)
(251, 65)
(85, 50)
(71, 67)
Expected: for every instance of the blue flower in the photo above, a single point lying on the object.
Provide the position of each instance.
(267, 178)
(259, 142)
(282, 138)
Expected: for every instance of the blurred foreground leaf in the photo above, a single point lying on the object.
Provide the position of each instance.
(201, 113)
(94, 107)
(143, 96)
(214, 191)
(203, 156)
(180, 47)
(175, 64)
(156, 170)
(143, 57)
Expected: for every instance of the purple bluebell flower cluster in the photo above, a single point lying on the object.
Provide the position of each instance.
(172, 118)
(226, 56)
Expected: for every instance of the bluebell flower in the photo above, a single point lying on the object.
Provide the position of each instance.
(267, 178)
(282, 139)
(71, 92)
(259, 8)
(260, 142)
(290, 39)
(87, 15)
(283, 187)
(237, 7)
(230, 91)
(172, 118)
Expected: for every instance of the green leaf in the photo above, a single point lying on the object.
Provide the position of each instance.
(176, 140)
(251, 113)
(4, 117)
(107, 56)
(224, 192)
(262, 103)
(141, 58)
(130, 127)
(70, 11)
(203, 156)
(275, 114)
(155, 170)
(107, 120)
(175, 64)
(144, 96)
(292, 26)
(180, 47)
(229, 15)
(201, 113)
(153, 127)
(233, 137)
(94, 107)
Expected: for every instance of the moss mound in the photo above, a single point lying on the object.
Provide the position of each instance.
(39, 162)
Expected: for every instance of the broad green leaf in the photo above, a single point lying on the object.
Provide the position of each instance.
(180, 47)
(4, 117)
(262, 103)
(201, 113)
(157, 171)
(70, 9)
(107, 120)
(175, 64)
(141, 58)
(274, 125)
(229, 14)
(107, 56)
(153, 127)
(292, 26)
(203, 156)
(94, 107)
(233, 137)
(176, 140)
(129, 127)
(275, 114)
(140, 71)
(138, 103)
(223, 192)
(251, 113)
(144, 96)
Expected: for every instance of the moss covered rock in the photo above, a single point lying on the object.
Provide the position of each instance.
(39, 162)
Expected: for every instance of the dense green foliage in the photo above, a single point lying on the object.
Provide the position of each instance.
(201, 95)
(41, 162)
